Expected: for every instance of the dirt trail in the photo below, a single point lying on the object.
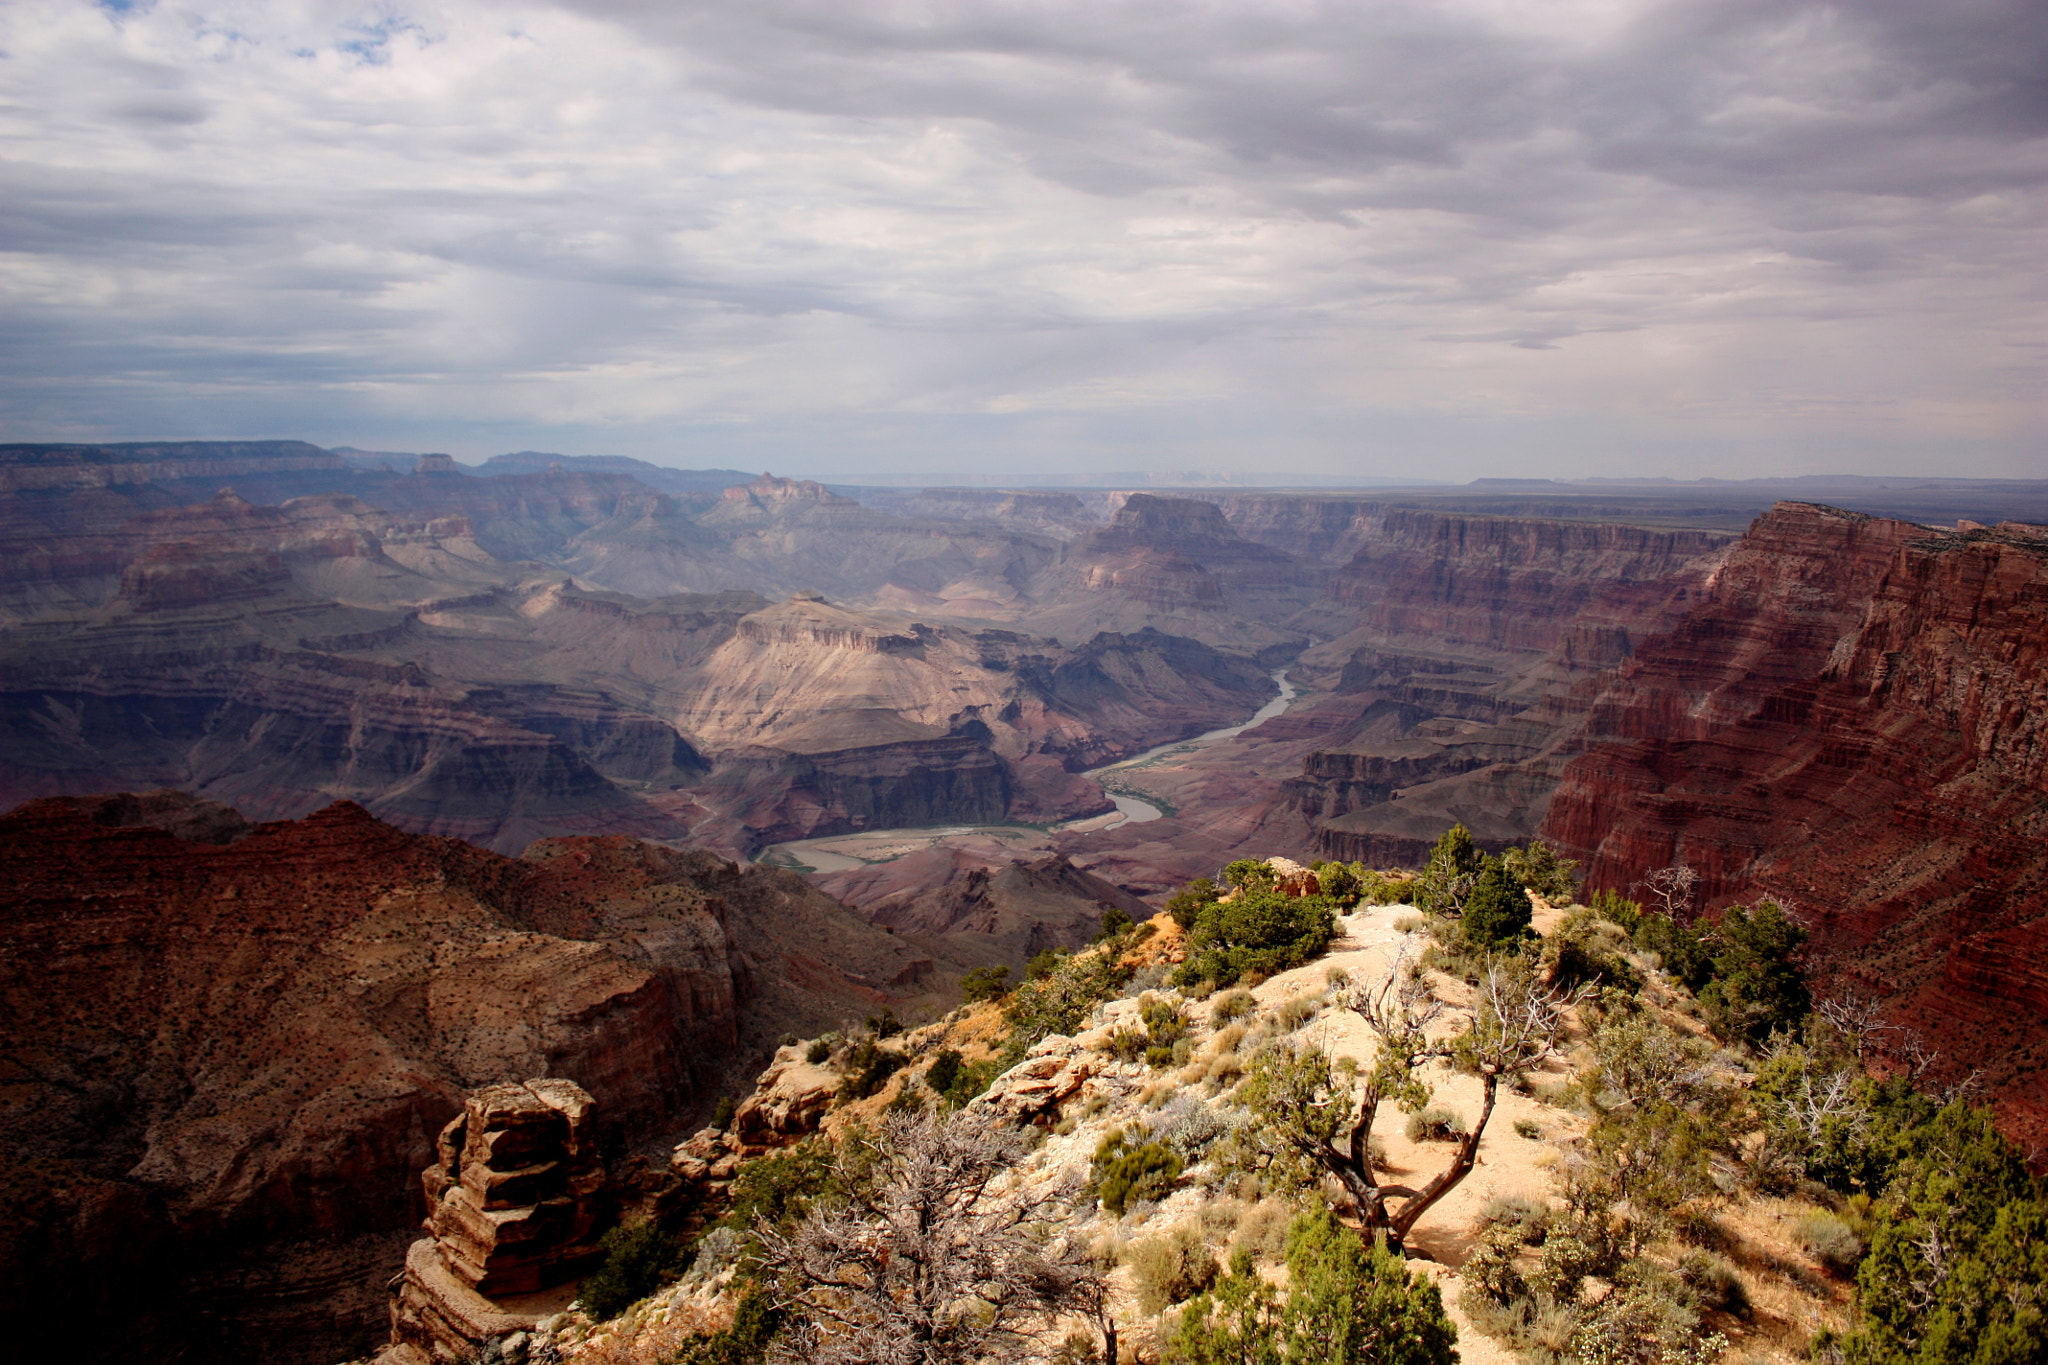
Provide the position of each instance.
(1509, 1163)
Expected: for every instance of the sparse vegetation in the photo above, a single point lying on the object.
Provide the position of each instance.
(1230, 1005)
(1126, 1173)
(1255, 933)
(1646, 1242)
(1346, 1304)
(1171, 1269)
(1435, 1125)
(985, 983)
(637, 1261)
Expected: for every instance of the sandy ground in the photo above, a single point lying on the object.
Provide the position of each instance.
(1508, 1162)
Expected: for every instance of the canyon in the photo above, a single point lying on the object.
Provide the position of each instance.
(469, 765)
(232, 1046)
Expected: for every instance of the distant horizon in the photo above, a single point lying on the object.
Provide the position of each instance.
(1115, 479)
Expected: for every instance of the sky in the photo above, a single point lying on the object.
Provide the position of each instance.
(1435, 240)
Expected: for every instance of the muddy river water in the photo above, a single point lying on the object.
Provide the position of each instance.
(838, 852)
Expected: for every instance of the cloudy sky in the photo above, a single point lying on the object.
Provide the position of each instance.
(1437, 239)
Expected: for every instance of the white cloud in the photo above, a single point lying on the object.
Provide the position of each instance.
(932, 235)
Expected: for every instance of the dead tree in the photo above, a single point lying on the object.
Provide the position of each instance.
(1326, 1114)
(931, 1258)
(1671, 888)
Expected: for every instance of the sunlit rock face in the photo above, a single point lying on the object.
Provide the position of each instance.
(518, 1197)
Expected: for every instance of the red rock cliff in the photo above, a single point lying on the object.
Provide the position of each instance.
(227, 1060)
(1856, 720)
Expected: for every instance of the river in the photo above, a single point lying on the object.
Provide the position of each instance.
(839, 852)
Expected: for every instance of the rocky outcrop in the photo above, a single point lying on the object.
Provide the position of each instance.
(228, 1058)
(518, 1198)
(1853, 723)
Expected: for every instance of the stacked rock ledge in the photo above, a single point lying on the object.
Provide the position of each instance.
(518, 1200)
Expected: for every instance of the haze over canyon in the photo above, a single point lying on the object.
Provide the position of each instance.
(343, 783)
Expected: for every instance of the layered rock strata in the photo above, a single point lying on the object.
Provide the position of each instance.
(517, 1200)
(228, 1054)
(1853, 723)
(283, 657)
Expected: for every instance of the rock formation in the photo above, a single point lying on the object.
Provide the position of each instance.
(1853, 722)
(283, 657)
(517, 1200)
(229, 1054)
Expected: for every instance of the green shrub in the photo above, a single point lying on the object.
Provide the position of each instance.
(972, 1079)
(1435, 1125)
(1757, 988)
(1380, 888)
(1962, 1223)
(722, 1112)
(1346, 1304)
(944, 1071)
(1494, 1267)
(1339, 881)
(1448, 879)
(1114, 925)
(1528, 1128)
(1046, 963)
(1540, 869)
(868, 1068)
(1165, 1025)
(817, 1052)
(1170, 1270)
(1574, 956)
(985, 983)
(1249, 874)
(1563, 1266)
(1186, 905)
(1125, 1044)
(1058, 1001)
(1497, 913)
(1647, 1320)
(637, 1261)
(1229, 1006)
(1616, 908)
(781, 1185)
(1126, 1175)
(1258, 933)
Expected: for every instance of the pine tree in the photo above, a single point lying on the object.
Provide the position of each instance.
(1347, 1303)
(1498, 910)
(1447, 880)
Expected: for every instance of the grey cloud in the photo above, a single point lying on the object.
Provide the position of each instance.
(167, 108)
(1108, 211)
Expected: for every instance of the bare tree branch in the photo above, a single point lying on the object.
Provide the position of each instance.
(932, 1258)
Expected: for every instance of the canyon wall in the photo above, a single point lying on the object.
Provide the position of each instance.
(230, 1053)
(1462, 647)
(283, 657)
(1853, 722)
